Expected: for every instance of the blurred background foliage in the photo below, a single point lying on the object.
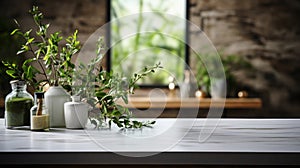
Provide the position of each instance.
(231, 64)
(142, 49)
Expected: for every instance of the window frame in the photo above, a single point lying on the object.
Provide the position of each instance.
(109, 52)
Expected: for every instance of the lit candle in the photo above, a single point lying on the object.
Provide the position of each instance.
(172, 89)
(171, 86)
(199, 94)
(242, 94)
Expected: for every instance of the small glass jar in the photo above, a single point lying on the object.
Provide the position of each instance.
(39, 120)
(17, 106)
(189, 86)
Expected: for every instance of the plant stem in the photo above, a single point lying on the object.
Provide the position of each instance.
(44, 72)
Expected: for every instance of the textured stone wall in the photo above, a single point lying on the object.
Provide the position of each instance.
(65, 15)
(264, 32)
(267, 34)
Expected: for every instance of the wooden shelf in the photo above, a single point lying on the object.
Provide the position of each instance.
(233, 103)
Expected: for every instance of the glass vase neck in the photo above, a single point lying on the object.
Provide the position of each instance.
(18, 85)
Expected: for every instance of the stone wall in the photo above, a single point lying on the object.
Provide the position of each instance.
(65, 15)
(267, 34)
(264, 32)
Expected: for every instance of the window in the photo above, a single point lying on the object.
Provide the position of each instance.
(143, 33)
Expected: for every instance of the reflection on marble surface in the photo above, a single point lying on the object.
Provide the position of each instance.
(231, 135)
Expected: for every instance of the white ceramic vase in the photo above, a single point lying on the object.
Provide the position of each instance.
(55, 97)
(76, 113)
(218, 88)
(189, 86)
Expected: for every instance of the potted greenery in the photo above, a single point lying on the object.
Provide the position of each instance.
(54, 66)
(104, 88)
(216, 77)
(49, 63)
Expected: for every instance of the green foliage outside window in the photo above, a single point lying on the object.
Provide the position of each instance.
(151, 47)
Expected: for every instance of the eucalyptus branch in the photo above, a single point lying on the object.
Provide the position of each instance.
(56, 65)
(42, 67)
(144, 73)
(44, 72)
(37, 17)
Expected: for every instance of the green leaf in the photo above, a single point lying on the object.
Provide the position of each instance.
(29, 74)
(107, 98)
(20, 52)
(30, 40)
(26, 34)
(116, 113)
(11, 73)
(47, 26)
(16, 22)
(24, 49)
(14, 31)
(104, 109)
(100, 95)
(30, 60)
(47, 55)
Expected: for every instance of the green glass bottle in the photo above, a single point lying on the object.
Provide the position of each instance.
(17, 106)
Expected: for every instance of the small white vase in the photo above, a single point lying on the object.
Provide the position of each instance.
(55, 97)
(189, 86)
(76, 113)
(218, 88)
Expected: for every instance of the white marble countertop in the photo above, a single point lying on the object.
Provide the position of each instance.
(224, 141)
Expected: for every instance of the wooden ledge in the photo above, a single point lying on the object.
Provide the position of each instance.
(171, 106)
(157, 102)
